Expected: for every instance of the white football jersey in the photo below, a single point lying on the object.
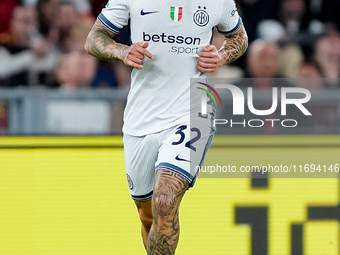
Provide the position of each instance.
(177, 31)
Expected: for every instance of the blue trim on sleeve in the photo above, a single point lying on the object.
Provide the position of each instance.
(230, 32)
(108, 23)
(212, 36)
(177, 170)
(142, 197)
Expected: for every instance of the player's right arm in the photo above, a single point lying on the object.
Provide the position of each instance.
(99, 43)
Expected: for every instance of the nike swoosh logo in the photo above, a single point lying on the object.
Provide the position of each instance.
(181, 159)
(146, 13)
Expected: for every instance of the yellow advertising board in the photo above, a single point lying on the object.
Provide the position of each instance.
(69, 195)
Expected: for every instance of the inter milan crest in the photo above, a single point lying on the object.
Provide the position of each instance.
(130, 182)
(201, 17)
(176, 13)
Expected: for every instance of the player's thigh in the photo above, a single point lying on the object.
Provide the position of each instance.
(140, 157)
(168, 193)
(185, 147)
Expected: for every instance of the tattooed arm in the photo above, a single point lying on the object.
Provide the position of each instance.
(99, 43)
(233, 47)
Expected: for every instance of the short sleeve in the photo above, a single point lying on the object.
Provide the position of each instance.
(230, 20)
(115, 15)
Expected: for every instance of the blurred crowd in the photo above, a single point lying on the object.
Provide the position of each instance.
(289, 39)
(41, 44)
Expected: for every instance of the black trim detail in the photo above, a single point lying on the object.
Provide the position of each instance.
(142, 197)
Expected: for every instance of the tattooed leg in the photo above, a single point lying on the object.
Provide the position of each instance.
(168, 193)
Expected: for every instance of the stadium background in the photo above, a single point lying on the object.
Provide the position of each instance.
(66, 193)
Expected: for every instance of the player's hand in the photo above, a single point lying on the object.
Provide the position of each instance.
(136, 54)
(208, 59)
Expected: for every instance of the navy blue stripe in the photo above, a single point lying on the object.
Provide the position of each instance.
(141, 199)
(114, 31)
(206, 148)
(212, 36)
(108, 23)
(232, 30)
(142, 196)
(177, 169)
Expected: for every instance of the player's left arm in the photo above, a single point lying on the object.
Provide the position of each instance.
(232, 48)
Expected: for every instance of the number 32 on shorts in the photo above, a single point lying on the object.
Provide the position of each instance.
(190, 143)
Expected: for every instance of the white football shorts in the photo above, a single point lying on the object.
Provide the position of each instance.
(179, 149)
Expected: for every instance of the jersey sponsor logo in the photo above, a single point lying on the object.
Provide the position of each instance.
(176, 13)
(142, 12)
(233, 13)
(181, 159)
(163, 38)
(201, 17)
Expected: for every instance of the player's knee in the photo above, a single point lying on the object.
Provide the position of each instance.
(146, 220)
(145, 213)
(164, 204)
(168, 192)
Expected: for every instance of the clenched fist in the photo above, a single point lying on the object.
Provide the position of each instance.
(136, 53)
(208, 59)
